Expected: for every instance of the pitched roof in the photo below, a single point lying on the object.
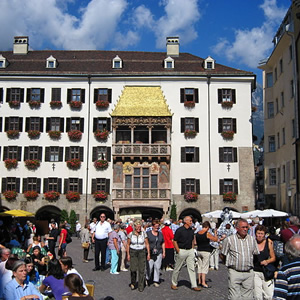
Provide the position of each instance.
(141, 101)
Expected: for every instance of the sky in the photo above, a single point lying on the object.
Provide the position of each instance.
(236, 33)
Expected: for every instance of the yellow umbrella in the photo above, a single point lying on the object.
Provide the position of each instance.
(16, 213)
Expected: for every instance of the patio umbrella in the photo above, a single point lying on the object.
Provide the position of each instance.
(253, 214)
(267, 213)
(217, 214)
(275, 213)
(16, 213)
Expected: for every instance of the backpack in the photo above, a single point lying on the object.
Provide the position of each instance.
(68, 237)
(278, 248)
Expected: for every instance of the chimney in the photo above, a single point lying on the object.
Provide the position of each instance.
(173, 46)
(21, 44)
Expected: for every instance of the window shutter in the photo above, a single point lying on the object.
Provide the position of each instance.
(221, 184)
(197, 124)
(96, 95)
(28, 95)
(81, 153)
(108, 121)
(19, 153)
(66, 185)
(8, 95)
(59, 182)
(1, 95)
(56, 94)
(5, 153)
(235, 186)
(233, 95)
(40, 153)
(38, 185)
(107, 186)
(108, 153)
(18, 185)
(6, 125)
(221, 155)
(196, 95)
(27, 124)
(67, 153)
(21, 95)
(183, 154)
(25, 185)
(41, 125)
(47, 154)
(182, 126)
(219, 96)
(42, 96)
(235, 154)
(197, 156)
(69, 95)
(48, 122)
(182, 95)
(20, 124)
(80, 186)
(220, 127)
(94, 156)
(94, 185)
(234, 125)
(109, 92)
(68, 124)
(46, 187)
(82, 124)
(3, 184)
(197, 186)
(61, 153)
(95, 124)
(182, 186)
(82, 95)
(61, 125)
(1, 124)
(26, 151)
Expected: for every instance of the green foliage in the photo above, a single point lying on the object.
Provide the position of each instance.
(173, 213)
(72, 221)
(64, 216)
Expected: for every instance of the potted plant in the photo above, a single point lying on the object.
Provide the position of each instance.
(72, 196)
(75, 104)
(55, 104)
(11, 163)
(54, 134)
(33, 134)
(190, 133)
(101, 134)
(75, 135)
(51, 195)
(100, 164)
(32, 164)
(74, 163)
(102, 104)
(189, 103)
(230, 196)
(31, 195)
(227, 104)
(10, 195)
(14, 103)
(12, 134)
(34, 104)
(228, 134)
(100, 195)
(190, 196)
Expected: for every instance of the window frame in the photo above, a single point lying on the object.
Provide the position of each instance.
(193, 155)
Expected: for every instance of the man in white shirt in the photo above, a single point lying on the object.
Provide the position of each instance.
(78, 229)
(100, 237)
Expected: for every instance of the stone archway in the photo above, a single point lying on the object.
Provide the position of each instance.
(95, 213)
(43, 217)
(193, 212)
(141, 213)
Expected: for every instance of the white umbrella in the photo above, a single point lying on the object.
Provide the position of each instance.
(253, 214)
(217, 214)
(267, 213)
(275, 213)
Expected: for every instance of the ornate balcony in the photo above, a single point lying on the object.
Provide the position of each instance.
(140, 194)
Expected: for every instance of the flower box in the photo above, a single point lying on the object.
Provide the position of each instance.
(75, 104)
(54, 134)
(189, 103)
(190, 133)
(73, 196)
(33, 134)
(12, 134)
(102, 104)
(32, 164)
(74, 163)
(227, 104)
(227, 134)
(10, 195)
(31, 195)
(101, 134)
(14, 103)
(34, 104)
(11, 163)
(100, 164)
(190, 196)
(51, 195)
(229, 197)
(75, 135)
(55, 104)
(100, 195)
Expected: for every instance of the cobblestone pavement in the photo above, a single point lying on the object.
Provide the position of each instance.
(117, 286)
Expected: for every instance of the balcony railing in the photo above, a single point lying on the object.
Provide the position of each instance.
(142, 149)
(137, 194)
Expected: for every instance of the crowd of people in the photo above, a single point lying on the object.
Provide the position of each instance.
(263, 262)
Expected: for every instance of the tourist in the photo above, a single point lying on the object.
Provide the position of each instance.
(168, 261)
(62, 244)
(114, 245)
(75, 286)
(85, 238)
(39, 260)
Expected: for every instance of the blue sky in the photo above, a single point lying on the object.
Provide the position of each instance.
(237, 33)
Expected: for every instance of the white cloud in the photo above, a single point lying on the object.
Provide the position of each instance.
(250, 46)
(142, 17)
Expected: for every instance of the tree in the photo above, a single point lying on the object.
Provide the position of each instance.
(173, 213)
(64, 216)
(72, 221)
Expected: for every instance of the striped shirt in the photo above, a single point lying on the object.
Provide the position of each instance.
(239, 252)
(287, 284)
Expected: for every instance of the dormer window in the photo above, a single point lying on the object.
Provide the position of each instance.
(209, 63)
(51, 62)
(3, 62)
(169, 63)
(117, 63)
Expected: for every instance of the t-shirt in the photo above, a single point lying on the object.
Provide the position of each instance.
(168, 236)
(63, 231)
(184, 237)
(56, 285)
(114, 235)
(155, 241)
(137, 242)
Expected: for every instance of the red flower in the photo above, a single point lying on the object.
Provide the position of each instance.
(31, 195)
(189, 103)
(227, 134)
(190, 196)
(10, 163)
(74, 163)
(13, 133)
(75, 104)
(102, 104)
(51, 195)
(101, 134)
(10, 195)
(34, 104)
(32, 164)
(54, 134)
(55, 104)
(75, 134)
(14, 103)
(72, 196)
(190, 133)
(230, 196)
(33, 134)
(101, 164)
(100, 195)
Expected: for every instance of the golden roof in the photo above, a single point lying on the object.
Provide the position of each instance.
(140, 101)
